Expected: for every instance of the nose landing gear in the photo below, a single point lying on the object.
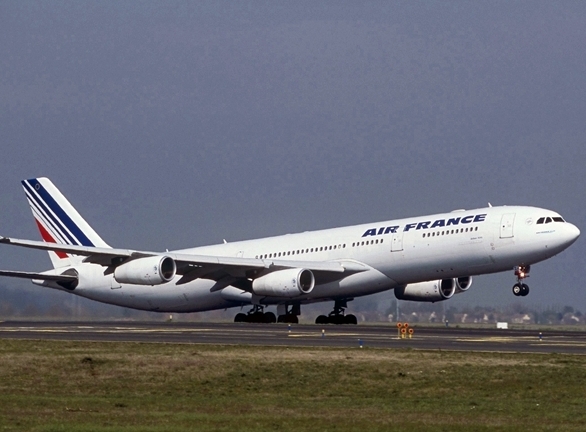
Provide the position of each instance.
(521, 289)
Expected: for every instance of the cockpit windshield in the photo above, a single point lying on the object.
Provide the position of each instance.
(548, 219)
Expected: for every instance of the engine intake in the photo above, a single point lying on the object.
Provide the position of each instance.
(431, 291)
(146, 271)
(284, 283)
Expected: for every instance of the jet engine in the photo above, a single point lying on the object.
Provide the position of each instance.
(284, 283)
(463, 284)
(154, 270)
(431, 291)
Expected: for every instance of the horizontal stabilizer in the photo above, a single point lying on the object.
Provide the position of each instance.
(38, 276)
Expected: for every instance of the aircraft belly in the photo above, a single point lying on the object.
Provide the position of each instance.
(192, 297)
(428, 259)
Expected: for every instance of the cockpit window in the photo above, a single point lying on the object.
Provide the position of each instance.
(547, 220)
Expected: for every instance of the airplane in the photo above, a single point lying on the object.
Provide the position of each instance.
(426, 259)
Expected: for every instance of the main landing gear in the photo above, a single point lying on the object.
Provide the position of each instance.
(337, 315)
(256, 315)
(288, 313)
(521, 289)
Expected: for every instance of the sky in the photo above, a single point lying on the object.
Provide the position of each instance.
(177, 124)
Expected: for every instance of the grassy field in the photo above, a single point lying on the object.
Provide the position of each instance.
(74, 386)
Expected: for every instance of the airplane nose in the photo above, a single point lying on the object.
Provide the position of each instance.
(573, 233)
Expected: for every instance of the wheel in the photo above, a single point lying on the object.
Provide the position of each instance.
(524, 289)
(269, 318)
(322, 319)
(337, 319)
(240, 318)
(350, 319)
(517, 289)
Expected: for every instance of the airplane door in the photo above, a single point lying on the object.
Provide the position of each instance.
(397, 242)
(507, 223)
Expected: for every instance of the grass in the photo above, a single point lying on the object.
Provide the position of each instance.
(75, 386)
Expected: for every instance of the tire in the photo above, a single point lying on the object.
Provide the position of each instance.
(240, 317)
(289, 319)
(525, 290)
(350, 319)
(322, 319)
(337, 319)
(269, 318)
(517, 289)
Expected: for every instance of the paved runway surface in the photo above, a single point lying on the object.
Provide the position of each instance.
(376, 336)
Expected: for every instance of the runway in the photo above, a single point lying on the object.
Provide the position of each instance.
(367, 336)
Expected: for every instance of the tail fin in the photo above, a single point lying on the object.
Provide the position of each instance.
(58, 221)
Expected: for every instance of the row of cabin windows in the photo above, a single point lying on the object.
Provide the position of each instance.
(300, 251)
(320, 249)
(543, 220)
(367, 242)
(456, 231)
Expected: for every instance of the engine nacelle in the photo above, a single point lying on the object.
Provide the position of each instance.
(284, 283)
(431, 291)
(463, 284)
(154, 270)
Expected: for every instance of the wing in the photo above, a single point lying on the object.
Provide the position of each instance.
(225, 270)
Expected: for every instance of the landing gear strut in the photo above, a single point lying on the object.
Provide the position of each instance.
(521, 289)
(288, 313)
(337, 315)
(256, 315)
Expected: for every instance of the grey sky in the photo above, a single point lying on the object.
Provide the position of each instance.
(176, 124)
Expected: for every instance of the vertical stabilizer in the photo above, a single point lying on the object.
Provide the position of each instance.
(58, 221)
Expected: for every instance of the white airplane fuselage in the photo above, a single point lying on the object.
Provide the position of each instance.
(392, 254)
